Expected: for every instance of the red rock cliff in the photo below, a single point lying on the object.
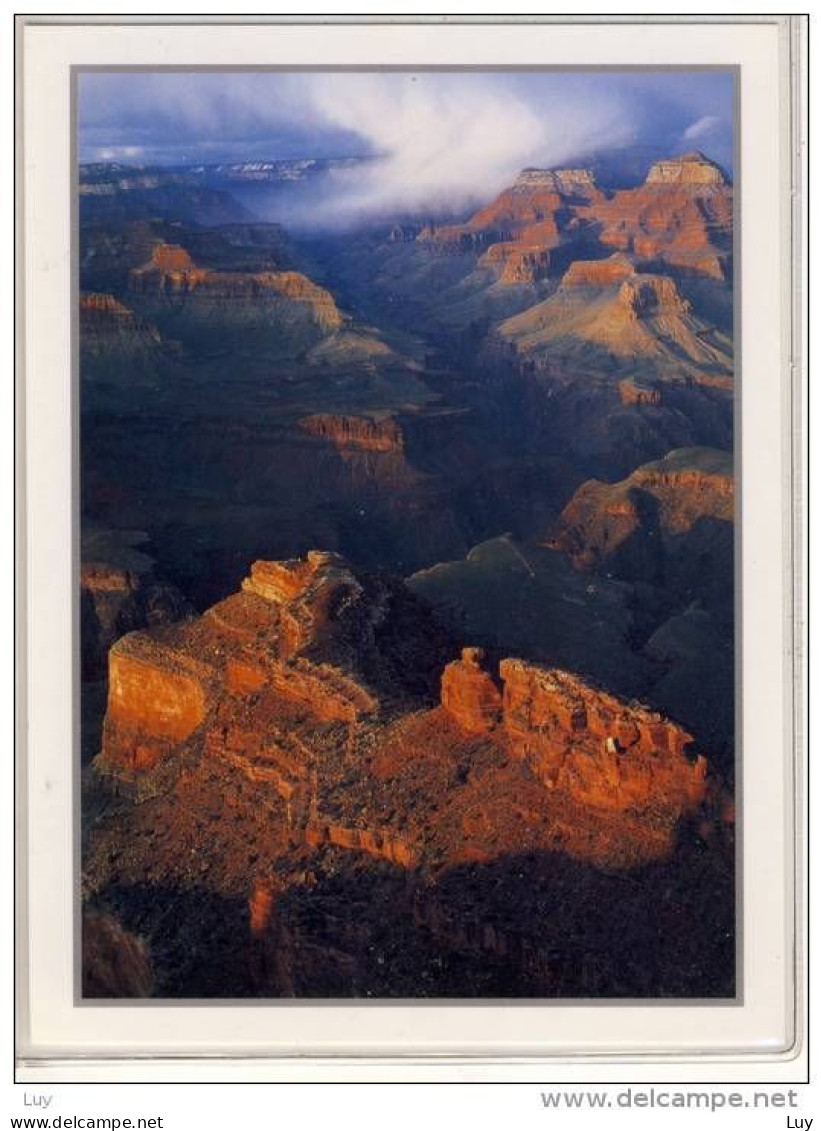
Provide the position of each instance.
(172, 273)
(305, 633)
(681, 216)
(361, 433)
(685, 487)
(469, 694)
(578, 739)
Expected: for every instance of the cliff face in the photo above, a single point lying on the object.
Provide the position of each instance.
(606, 314)
(515, 234)
(305, 639)
(682, 216)
(515, 262)
(157, 698)
(120, 591)
(357, 433)
(172, 276)
(644, 526)
(600, 750)
(598, 273)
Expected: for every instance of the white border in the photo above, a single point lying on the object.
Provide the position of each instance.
(765, 1024)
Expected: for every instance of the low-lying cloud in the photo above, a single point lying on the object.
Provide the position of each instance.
(442, 140)
(706, 127)
(448, 140)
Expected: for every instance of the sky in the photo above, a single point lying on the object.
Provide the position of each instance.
(438, 134)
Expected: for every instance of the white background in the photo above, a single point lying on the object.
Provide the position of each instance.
(347, 1106)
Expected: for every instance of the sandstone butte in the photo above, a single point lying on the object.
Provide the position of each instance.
(515, 234)
(637, 316)
(171, 273)
(685, 488)
(105, 322)
(681, 216)
(320, 688)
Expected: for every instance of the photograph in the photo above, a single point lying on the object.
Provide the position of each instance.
(408, 572)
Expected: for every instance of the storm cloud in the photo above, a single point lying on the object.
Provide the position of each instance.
(439, 136)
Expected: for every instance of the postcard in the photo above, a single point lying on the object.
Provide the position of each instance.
(412, 421)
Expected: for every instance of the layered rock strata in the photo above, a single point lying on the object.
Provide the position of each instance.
(682, 216)
(515, 234)
(665, 500)
(172, 275)
(304, 651)
(608, 315)
(602, 751)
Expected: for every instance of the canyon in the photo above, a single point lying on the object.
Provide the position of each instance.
(407, 594)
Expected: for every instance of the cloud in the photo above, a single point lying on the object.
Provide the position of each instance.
(440, 139)
(121, 153)
(707, 126)
(445, 139)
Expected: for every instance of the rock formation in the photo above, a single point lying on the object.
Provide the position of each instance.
(306, 637)
(600, 750)
(120, 591)
(659, 506)
(598, 273)
(307, 705)
(104, 320)
(307, 632)
(359, 433)
(689, 169)
(515, 234)
(172, 277)
(682, 216)
(469, 693)
(607, 314)
(573, 183)
(115, 344)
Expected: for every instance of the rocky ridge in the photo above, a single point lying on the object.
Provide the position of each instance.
(661, 503)
(172, 276)
(515, 234)
(682, 217)
(326, 703)
(610, 311)
(307, 640)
